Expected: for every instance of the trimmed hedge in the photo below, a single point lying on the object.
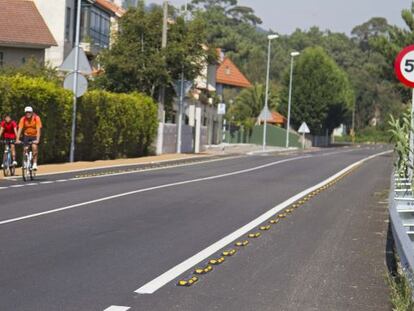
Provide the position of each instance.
(115, 125)
(53, 105)
(109, 125)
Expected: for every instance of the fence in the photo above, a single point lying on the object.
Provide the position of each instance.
(402, 222)
(276, 136)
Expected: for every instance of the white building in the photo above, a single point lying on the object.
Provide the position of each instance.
(97, 19)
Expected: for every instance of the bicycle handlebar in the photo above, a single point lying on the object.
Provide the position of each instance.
(8, 141)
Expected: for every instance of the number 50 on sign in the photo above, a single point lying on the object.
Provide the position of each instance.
(404, 66)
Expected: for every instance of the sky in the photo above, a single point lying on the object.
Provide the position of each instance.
(284, 16)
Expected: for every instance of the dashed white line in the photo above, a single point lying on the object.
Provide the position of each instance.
(16, 186)
(117, 308)
(179, 269)
(46, 182)
(180, 183)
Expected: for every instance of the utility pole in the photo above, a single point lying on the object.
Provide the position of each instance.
(163, 46)
(161, 104)
(75, 83)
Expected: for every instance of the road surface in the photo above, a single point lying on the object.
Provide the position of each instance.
(71, 242)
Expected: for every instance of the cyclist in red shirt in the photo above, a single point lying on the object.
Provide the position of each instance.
(8, 132)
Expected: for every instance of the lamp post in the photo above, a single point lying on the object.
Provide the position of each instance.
(270, 38)
(293, 55)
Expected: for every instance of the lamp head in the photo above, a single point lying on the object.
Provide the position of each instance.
(272, 37)
(293, 54)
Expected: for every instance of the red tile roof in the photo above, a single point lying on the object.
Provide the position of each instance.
(277, 118)
(22, 25)
(110, 6)
(229, 74)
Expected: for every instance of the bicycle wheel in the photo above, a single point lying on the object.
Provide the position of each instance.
(25, 168)
(6, 165)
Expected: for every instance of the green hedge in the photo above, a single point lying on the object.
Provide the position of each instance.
(52, 103)
(109, 125)
(115, 125)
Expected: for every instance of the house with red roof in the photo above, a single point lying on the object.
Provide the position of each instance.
(229, 76)
(23, 33)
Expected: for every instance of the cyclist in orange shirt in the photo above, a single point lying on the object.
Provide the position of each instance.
(30, 126)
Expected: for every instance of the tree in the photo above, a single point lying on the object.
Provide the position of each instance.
(250, 103)
(322, 94)
(373, 28)
(136, 62)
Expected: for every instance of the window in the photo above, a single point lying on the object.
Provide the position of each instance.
(99, 28)
(67, 23)
(1, 59)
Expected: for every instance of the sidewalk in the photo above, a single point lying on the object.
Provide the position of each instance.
(79, 166)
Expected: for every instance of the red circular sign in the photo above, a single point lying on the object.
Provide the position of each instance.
(404, 66)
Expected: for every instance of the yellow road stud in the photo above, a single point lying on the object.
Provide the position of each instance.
(216, 262)
(254, 235)
(265, 228)
(183, 283)
(274, 221)
(229, 253)
(199, 271)
(242, 243)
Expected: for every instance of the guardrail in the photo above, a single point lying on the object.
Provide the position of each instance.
(401, 202)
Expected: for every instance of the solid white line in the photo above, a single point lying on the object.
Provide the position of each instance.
(117, 308)
(136, 171)
(7, 221)
(176, 271)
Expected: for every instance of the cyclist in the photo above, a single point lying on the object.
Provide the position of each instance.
(8, 132)
(30, 126)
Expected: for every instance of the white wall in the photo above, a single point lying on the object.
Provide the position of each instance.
(54, 14)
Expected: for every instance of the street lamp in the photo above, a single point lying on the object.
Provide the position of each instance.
(270, 38)
(293, 55)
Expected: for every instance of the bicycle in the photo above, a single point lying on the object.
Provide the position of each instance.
(27, 167)
(8, 167)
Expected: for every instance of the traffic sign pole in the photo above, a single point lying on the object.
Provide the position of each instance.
(404, 70)
(410, 169)
(75, 84)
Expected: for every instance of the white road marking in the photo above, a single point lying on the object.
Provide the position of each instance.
(117, 308)
(1, 188)
(32, 184)
(61, 180)
(176, 271)
(135, 165)
(17, 186)
(180, 183)
(46, 182)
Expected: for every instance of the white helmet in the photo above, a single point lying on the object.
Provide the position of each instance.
(28, 109)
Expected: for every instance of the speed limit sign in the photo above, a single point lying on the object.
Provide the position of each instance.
(404, 66)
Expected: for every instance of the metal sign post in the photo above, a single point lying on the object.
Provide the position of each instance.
(75, 84)
(304, 129)
(181, 87)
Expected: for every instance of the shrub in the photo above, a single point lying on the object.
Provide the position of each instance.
(109, 125)
(52, 103)
(115, 125)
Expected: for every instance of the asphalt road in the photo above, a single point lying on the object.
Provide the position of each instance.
(71, 243)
